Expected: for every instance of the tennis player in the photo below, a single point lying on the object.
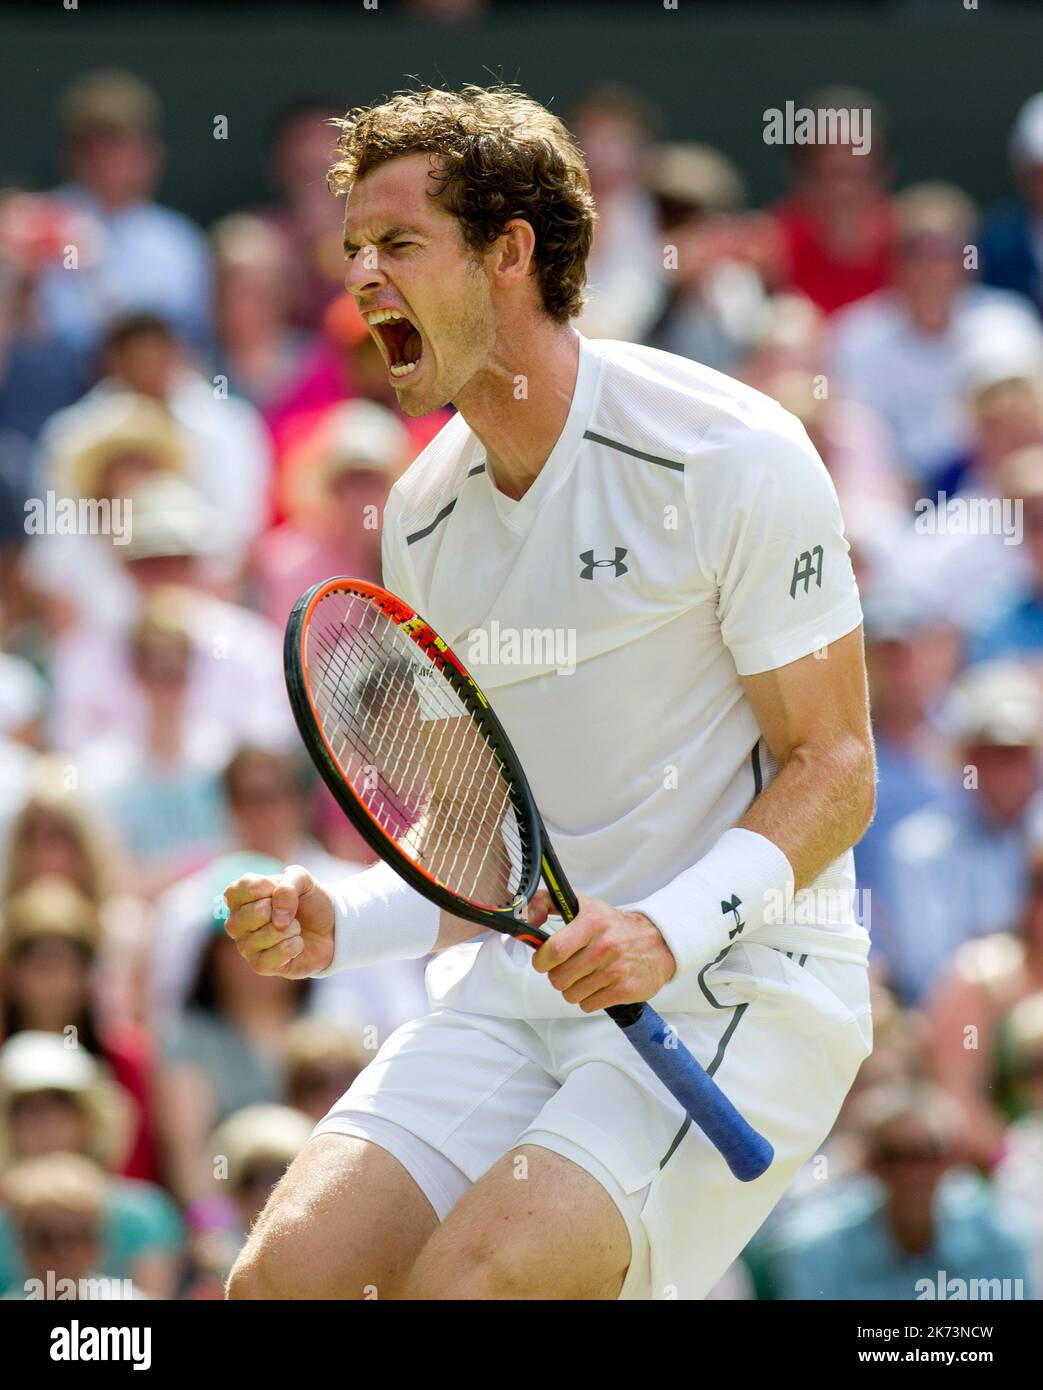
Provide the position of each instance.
(704, 765)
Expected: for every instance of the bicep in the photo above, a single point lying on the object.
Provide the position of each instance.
(818, 700)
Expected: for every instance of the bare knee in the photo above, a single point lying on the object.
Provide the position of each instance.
(346, 1222)
(270, 1264)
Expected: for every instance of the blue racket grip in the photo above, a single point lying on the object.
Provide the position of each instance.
(747, 1153)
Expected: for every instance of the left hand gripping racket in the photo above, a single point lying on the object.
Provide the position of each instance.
(421, 766)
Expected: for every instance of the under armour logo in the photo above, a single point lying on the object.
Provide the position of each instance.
(733, 907)
(590, 564)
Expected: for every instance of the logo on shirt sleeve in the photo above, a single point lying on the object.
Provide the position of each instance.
(590, 564)
(807, 567)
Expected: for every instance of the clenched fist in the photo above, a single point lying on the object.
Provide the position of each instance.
(281, 926)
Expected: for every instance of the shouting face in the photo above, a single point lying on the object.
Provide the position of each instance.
(423, 291)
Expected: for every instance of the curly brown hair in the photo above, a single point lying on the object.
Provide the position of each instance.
(500, 156)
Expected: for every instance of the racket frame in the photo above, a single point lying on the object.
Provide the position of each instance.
(508, 919)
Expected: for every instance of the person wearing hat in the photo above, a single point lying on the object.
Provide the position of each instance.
(58, 1099)
(50, 943)
(173, 538)
(247, 1155)
(57, 1206)
(225, 448)
(1012, 237)
(713, 297)
(258, 1144)
(958, 868)
(97, 454)
(142, 256)
(335, 485)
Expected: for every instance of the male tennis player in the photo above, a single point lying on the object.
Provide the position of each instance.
(703, 771)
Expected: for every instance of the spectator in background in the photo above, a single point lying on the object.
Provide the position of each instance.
(1014, 628)
(837, 227)
(138, 255)
(54, 833)
(58, 1100)
(855, 446)
(1001, 370)
(899, 350)
(268, 801)
(58, 831)
(252, 1149)
(225, 1052)
(335, 486)
(957, 869)
(259, 351)
(713, 295)
(790, 338)
(964, 548)
(49, 951)
(1019, 1176)
(227, 452)
(234, 649)
(914, 1221)
(161, 785)
(24, 700)
(101, 450)
(909, 662)
(969, 1004)
(323, 1058)
(57, 1210)
(307, 217)
(1012, 238)
(614, 127)
(39, 372)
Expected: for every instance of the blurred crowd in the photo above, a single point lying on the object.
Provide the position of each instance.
(153, 1089)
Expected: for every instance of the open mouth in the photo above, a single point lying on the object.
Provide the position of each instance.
(403, 345)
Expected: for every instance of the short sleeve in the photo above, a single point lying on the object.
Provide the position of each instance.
(769, 532)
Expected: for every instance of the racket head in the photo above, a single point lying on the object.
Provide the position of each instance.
(412, 752)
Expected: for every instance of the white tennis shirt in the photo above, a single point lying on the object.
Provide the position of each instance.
(683, 532)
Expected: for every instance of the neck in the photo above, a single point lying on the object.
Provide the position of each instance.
(912, 1228)
(930, 314)
(518, 404)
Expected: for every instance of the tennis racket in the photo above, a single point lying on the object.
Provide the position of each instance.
(421, 766)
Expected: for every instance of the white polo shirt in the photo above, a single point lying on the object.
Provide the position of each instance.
(683, 532)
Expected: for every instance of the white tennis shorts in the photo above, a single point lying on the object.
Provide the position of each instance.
(450, 1093)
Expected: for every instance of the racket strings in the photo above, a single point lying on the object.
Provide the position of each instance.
(413, 752)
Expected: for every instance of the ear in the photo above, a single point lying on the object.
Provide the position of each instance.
(511, 254)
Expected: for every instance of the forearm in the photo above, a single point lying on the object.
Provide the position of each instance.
(818, 805)
(813, 810)
(452, 931)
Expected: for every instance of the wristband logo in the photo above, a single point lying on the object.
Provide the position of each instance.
(733, 907)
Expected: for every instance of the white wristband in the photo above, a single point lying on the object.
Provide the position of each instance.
(377, 916)
(721, 899)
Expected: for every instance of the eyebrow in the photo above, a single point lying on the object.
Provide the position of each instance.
(389, 235)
